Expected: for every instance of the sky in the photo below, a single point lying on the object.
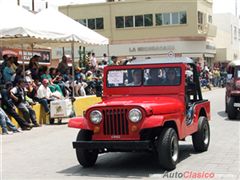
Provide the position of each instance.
(219, 6)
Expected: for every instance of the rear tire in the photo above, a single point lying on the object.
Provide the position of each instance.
(87, 158)
(201, 138)
(232, 111)
(168, 149)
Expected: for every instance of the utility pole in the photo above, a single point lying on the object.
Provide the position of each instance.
(33, 6)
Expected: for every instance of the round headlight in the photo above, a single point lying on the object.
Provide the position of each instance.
(96, 116)
(135, 115)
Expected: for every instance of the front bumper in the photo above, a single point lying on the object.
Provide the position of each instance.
(114, 145)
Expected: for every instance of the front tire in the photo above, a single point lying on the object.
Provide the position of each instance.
(231, 110)
(201, 138)
(168, 149)
(87, 158)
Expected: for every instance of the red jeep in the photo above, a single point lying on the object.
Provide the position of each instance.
(147, 105)
(232, 97)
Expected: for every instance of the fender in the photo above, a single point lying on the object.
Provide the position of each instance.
(159, 121)
(79, 123)
(152, 121)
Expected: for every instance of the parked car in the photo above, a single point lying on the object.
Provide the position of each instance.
(147, 105)
(232, 97)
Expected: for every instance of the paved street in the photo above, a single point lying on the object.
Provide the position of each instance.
(46, 153)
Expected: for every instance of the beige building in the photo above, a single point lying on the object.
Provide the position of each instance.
(150, 27)
(228, 37)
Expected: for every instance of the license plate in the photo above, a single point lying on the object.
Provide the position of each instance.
(236, 104)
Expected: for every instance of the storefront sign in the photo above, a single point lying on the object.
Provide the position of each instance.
(152, 48)
(45, 54)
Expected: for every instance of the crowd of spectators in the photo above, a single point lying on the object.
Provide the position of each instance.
(35, 83)
(212, 77)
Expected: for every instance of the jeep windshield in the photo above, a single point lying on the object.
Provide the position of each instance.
(166, 76)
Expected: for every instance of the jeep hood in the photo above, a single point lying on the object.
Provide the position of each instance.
(152, 104)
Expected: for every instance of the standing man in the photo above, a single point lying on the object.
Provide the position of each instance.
(63, 66)
(94, 62)
(19, 97)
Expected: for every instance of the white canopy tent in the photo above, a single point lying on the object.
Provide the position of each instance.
(73, 31)
(48, 27)
(18, 26)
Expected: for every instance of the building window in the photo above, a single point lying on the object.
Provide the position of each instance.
(158, 19)
(148, 20)
(175, 18)
(119, 22)
(83, 22)
(128, 21)
(183, 17)
(138, 20)
(92, 23)
(166, 18)
(99, 23)
(210, 19)
(200, 17)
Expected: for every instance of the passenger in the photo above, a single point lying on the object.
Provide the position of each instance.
(155, 78)
(137, 78)
(171, 77)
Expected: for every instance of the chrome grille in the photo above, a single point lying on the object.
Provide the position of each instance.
(115, 122)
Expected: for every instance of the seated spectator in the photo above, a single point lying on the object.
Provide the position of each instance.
(18, 75)
(53, 87)
(45, 95)
(9, 107)
(34, 66)
(58, 79)
(13, 65)
(79, 85)
(114, 61)
(19, 97)
(6, 122)
(8, 72)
